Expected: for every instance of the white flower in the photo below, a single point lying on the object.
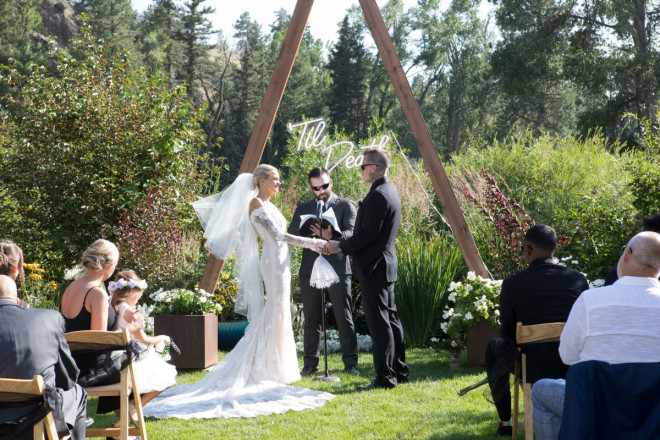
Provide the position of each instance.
(452, 297)
(453, 286)
(468, 288)
(444, 326)
(448, 313)
(497, 312)
(471, 276)
(434, 339)
(454, 344)
(597, 283)
(203, 299)
(74, 273)
(160, 347)
(167, 357)
(575, 262)
(468, 315)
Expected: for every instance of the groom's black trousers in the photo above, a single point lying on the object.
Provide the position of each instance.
(384, 328)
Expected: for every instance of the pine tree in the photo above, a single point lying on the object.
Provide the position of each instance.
(348, 87)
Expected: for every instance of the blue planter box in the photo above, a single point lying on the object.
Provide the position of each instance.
(229, 333)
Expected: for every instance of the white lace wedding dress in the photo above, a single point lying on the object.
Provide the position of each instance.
(250, 380)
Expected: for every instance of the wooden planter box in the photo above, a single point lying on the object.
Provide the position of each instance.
(195, 335)
(477, 339)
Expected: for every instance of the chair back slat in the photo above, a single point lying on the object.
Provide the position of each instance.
(526, 334)
(19, 390)
(97, 339)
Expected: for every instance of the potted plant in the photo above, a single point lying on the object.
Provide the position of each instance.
(472, 315)
(231, 326)
(190, 318)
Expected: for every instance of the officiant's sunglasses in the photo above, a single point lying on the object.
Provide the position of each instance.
(319, 188)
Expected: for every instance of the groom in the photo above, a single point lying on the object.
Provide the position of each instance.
(339, 294)
(373, 250)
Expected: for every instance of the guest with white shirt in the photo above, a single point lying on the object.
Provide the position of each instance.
(615, 324)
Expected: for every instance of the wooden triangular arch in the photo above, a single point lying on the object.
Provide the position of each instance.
(411, 110)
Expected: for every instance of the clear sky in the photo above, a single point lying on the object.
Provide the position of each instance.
(323, 20)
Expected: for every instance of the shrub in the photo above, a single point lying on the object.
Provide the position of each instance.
(575, 185)
(81, 145)
(427, 266)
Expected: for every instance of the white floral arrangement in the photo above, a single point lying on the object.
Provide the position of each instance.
(184, 302)
(122, 284)
(470, 301)
(364, 342)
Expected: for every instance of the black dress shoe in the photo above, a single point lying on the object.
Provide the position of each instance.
(505, 430)
(373, 386)
(402, 379)
(352, 370)
(308, 371)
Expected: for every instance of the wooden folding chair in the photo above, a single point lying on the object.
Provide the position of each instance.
(103, 340)
(529, 334)
(17, 390)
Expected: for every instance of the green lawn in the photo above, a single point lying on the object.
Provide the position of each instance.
(428, 407)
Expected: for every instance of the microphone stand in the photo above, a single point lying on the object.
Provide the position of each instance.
(325, 377)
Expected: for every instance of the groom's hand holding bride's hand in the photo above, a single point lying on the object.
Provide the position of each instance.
(331, 247)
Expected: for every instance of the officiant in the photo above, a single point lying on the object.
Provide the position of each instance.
(337, 221)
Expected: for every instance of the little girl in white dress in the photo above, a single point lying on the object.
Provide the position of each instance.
(152, 373)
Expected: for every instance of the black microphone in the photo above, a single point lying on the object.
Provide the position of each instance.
(319, 213)
(319, 209)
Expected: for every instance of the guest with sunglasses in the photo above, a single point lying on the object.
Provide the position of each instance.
(373, 250)
(338, 294)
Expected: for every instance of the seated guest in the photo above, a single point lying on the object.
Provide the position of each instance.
(648, 224)
(86, 306)
(11, 264)
(615, 324)
(32, 342)
(542, 293)
(85, 303)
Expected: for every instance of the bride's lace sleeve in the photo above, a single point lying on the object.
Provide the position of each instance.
(261, 217)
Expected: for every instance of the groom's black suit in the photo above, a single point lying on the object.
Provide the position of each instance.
(373, 249)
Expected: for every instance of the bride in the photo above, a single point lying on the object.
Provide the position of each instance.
(251, 379)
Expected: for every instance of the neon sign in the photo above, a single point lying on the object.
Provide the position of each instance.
(313, 136)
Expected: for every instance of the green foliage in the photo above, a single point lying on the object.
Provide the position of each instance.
(470, 301)
(645, 171)
(79, 147)
(574, 185)
(426, 268)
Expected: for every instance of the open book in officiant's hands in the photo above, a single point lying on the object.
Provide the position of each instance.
(328, 218)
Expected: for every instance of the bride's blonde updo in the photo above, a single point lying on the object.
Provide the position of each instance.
(263, 171)
(99, 255)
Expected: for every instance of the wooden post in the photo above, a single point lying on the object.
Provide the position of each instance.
(266, 117)
(422, 137)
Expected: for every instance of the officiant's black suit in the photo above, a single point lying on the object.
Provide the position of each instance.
(339, 294)
(373, 250)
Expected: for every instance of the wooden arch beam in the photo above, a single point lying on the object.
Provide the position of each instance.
(411, 110)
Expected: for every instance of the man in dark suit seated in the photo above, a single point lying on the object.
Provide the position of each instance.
(32, 342)
(542, 293)
(339, 294)
(617, 324)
